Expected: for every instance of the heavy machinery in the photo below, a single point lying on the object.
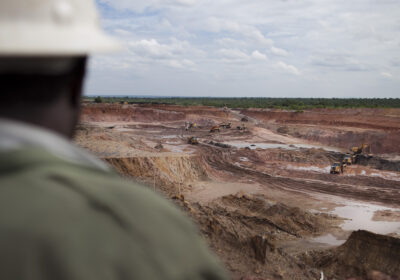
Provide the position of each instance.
(215, 129)
(364, 148)
(336, 168)
(225, 125)
(347, 160)
(193, 140)
(190, 125)
(242, 127)
(356, 151)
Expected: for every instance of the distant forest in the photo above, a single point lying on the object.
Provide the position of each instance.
(258, 102)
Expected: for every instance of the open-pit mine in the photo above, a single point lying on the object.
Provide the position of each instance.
(259, 183)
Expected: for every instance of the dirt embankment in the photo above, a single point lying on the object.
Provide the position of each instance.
(363, 253)
(243, 230)
(341, 128)
(168, 173)
(198, 111)
(360, 118)
(126, 113)
(146, 113)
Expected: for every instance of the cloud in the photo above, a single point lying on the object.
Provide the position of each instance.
(343, 44)
(278, 51)
(259, 56)
(288, 68)
(233, 54)
(339, 61)
(250, 32)
(386, 75)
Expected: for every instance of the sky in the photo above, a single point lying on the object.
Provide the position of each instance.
(246, 48)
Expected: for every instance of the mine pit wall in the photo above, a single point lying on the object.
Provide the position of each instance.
(381, 131)
(126, 113)
(145, 113)
(382, 142)
(168, 172)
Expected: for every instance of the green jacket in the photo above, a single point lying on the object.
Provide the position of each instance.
(61, 220)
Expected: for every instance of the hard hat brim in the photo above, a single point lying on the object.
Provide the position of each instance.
(16, 40)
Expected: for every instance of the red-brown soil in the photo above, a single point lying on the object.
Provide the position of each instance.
(260, 195)
(338, 127)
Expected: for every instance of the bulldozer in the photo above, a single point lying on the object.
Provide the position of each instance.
(193, 140)
(215, 129)
(336, 168)
(347, 160)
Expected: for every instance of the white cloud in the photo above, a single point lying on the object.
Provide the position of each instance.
(257, 55)
(233, 54)
(278, 51)
(386, 75)
(288, 68)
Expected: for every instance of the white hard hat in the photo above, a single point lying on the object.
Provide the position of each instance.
(51, 28)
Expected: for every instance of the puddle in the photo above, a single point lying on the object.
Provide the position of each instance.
(266, 146)
(328, 239)
(244, 159)
(169, 136)
(360, 216)
(325, 169)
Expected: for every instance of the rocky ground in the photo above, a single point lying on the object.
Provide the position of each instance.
(263, 197)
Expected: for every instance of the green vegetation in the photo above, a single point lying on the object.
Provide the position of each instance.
(98, 99)
(297, 104)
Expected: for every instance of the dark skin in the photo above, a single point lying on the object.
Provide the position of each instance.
(60, 116)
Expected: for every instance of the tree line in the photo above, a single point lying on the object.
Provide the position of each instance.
(257, 102)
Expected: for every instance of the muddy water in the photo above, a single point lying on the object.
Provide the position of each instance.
(266, 146)
(359, 216)
(328, 239)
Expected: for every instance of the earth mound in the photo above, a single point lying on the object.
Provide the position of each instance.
(243, 230)
(363, 255)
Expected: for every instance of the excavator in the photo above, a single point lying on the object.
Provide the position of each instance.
(336, 168)
(190, 125)
(215, 129)
(363, 148)
(193, 140)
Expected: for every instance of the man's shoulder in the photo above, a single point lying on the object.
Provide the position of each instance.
(95, 214)
(54, 179)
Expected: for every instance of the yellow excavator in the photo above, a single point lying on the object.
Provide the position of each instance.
(190, 125)
(364, 148)
(193, 140)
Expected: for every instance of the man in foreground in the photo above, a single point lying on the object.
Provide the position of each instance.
(64, 214)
